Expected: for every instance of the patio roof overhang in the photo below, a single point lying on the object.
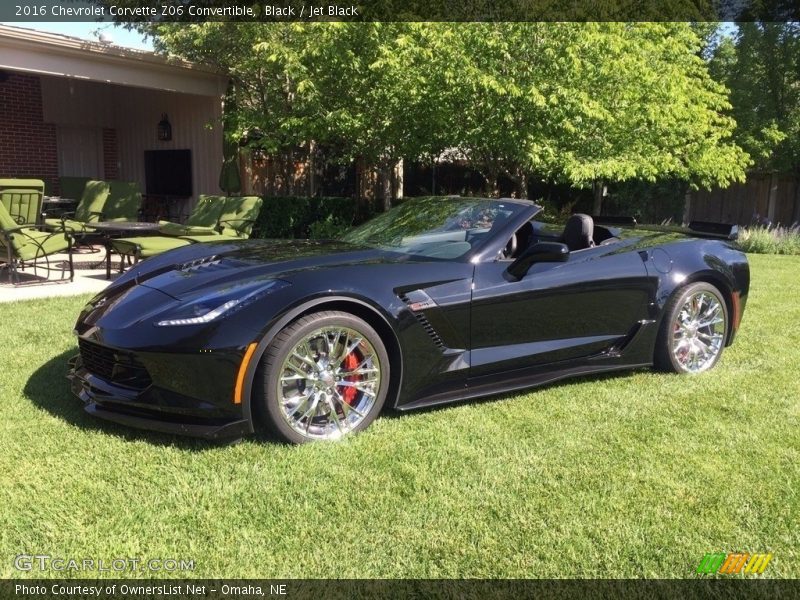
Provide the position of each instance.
(43, 53)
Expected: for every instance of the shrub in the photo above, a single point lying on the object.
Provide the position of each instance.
(771, 240)
(328, 229)
(293, 217)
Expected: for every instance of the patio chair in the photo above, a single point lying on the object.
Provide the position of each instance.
(202, 220)
(234, 221)
(22, 199)
(24, 245)
(89, 210)
(239, 214)
(124, 202)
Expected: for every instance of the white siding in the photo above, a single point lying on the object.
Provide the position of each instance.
(80, 151)
(135, 113)
(195, 124)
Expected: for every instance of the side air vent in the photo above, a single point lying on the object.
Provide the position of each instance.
(417, 305)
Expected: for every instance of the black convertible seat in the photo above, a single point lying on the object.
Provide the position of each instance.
(578, 232)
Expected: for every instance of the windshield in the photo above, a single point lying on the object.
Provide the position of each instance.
(444, 228)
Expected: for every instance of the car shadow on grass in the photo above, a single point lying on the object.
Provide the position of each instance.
(49, 389)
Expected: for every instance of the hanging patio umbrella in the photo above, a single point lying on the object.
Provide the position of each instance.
(230, 180)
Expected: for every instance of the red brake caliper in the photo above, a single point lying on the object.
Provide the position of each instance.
(350, 363)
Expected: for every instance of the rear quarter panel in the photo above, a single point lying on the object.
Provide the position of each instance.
(675, 262)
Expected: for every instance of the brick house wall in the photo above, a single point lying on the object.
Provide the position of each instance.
(27, 143)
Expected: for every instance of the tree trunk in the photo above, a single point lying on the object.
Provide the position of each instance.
(311, 164)
(385, 176)
(687, 207)
(597, 191)
(772, 202)
(796, 211)
(398, 180)
(520, 178)
(490, 177)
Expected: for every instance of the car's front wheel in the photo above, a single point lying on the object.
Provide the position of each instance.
(694, 331)
(324, 376)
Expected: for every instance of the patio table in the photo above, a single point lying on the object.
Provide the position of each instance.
(114, 229)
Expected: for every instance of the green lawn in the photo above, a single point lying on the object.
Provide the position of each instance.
(635, 475)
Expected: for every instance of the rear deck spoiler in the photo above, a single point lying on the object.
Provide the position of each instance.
(710, 229)
(621, 221)
(722, 230)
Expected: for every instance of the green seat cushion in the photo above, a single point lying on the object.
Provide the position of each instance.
(123, 202)
(146, 246)
(29, 244)
(72, 226)
(239, 215)
(210, 238)
(202, 221)
(207, 211)
(90, 208)
(23, 204)
(168, 228)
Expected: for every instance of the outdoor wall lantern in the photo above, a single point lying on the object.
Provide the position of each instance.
(164, 129)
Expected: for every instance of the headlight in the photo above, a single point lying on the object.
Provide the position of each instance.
(220, 303)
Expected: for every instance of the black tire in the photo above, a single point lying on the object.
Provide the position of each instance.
(268, 399)
(665, 358)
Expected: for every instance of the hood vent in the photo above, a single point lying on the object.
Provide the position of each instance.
(200, 263)
(415, 305)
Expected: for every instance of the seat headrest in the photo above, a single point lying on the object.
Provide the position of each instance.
(578, 232)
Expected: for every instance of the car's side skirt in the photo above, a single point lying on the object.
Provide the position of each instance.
(513, 384)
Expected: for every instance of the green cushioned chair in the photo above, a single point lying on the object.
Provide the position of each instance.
(146, 246)
(124, 202)
(22, 199)
(203, 219)
(235, 217)
(89, 209)
(235, 223)
(239, 216)
(24, 245)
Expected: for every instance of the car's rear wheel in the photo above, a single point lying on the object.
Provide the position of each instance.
(694, 331)
(324, 376)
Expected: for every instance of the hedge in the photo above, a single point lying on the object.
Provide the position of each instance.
(293, 216)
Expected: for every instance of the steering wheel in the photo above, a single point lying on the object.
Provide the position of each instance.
(511, 247)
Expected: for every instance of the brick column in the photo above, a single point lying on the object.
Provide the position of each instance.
(27, 143)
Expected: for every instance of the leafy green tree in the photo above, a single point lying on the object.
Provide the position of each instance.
(760, 64)
(597, 101)
(571, 102)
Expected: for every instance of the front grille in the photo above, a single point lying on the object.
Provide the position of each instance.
(116, 367)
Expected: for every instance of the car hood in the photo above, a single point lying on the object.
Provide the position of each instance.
(219, 264)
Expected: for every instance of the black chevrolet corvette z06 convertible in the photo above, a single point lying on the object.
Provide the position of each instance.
(437, 300)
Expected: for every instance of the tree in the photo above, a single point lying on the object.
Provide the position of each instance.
(368, 91)
(571, 102)
(586, 102)
(760, 64)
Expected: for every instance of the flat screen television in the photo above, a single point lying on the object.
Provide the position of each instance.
(168, 172)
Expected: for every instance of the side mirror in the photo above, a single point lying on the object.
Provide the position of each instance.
(539, 252)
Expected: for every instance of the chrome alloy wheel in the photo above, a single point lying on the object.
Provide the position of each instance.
(698, 332)
(329, 382)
